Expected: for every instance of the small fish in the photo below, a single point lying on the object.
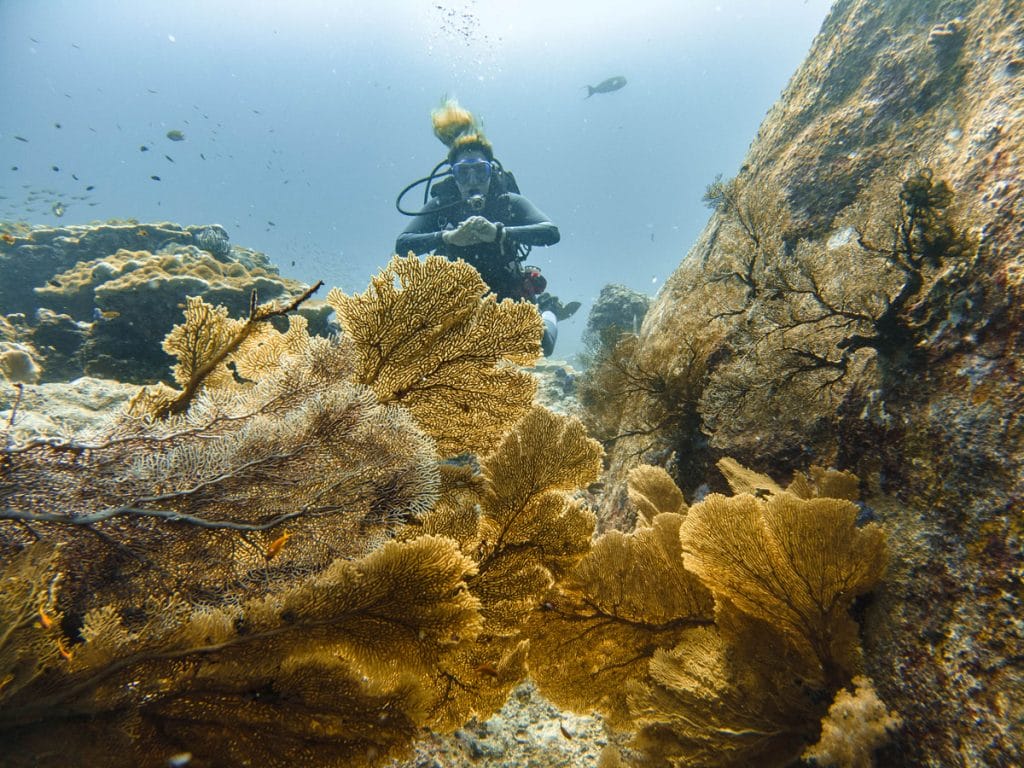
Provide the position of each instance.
(606, 86)
(7, 238)
(55, 168)
(75, 177)
(56, 125)
(155, 178)
(179, 760)
(58, 209)
(90, 188)
(104, 314)
(169, 158)
(14, 167)
(143, 233)
(175, 135)
(63, 651)
(271, 223)
(21, 138)
(143, 148)
(44, 618)
(202, 155)
(277, 545)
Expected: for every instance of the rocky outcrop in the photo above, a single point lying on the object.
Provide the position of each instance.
(855, 300)
(97, 300)
(618, 309)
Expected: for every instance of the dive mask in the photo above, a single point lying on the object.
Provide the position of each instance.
(471, 172)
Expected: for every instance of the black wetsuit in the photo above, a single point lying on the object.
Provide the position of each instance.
(498, 265)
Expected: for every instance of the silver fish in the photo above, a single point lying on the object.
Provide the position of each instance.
(606, 86)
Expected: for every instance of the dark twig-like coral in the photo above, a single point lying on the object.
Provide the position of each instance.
(257, 314)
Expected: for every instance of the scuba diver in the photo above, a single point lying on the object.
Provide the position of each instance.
(475, 213)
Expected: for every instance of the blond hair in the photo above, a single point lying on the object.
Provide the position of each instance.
(458, 129)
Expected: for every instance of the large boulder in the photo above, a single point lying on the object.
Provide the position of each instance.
(856, 300)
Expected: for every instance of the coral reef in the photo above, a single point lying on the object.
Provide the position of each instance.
(105, 295)
(287, 549)
(715, 632)
(857, 292)
(60, 410)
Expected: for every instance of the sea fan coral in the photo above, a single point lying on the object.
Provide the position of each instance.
(265, 573)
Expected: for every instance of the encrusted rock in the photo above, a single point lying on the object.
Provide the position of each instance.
(930, 417)
(616, 307)
(98, 300)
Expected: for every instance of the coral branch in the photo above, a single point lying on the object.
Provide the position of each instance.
(257, 314)
(175, 517)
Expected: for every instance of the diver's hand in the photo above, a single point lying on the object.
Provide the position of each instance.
(486, 231)
(475, 229)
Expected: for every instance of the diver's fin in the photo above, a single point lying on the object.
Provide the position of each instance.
(564, 312)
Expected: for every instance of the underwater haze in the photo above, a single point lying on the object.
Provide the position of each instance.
(300, 122)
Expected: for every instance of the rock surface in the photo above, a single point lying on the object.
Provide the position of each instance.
(617, 307)
(797, 297)
(527, 732)
(61, 409)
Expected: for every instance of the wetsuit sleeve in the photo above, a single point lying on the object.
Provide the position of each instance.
(421, 236)
(527, 225)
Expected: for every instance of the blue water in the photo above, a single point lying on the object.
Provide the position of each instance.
(313, 115)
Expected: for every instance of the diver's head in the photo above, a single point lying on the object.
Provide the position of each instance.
(470, 154)
(472, 169)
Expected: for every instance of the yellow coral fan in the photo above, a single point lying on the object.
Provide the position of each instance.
(29, 618)
(198, 628)
(214, 351)
(457, 128)
(519, 523)
(337, 663)
(719, 637)
(797, 564)
(627, 597)
(828, 483)
(652, 491)
(735, 694)
(429, 337)
(530, 529)
(206, 331)
(818, 482)
(743, 480)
